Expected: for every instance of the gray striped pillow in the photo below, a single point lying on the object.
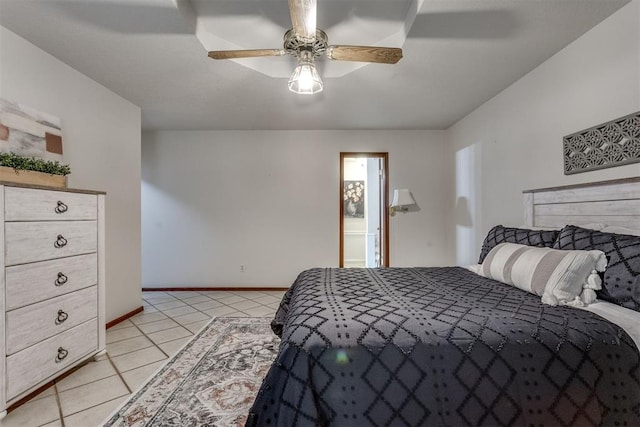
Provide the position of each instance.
(557, 276)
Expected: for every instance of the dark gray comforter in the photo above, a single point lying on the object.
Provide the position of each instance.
(441, 346)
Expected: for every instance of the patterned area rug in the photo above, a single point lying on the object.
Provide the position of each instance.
(212, 381)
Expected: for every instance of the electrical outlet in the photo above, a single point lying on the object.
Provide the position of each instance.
(242, 269)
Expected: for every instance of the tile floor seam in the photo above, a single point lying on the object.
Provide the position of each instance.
(94, 406)
(171, 316)
(152, 305)
(201, 296)
(153, 344)
(152, 341)
(159, 330)
(97, 404)
(179, 326)
(55, 389)
(160, 301)
(232, 307)
(167, 356)
(200, 311)
(140, 348)
(146, 364)
(113, 342)
(87, 383)
(138, 328)
(118, 373)
(178, 339)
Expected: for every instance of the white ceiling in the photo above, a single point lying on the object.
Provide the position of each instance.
(457, 55)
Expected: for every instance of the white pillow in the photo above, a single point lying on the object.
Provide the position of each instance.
(474, 268)
(558, 276)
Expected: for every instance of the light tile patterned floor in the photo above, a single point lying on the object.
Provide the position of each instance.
(135, 349)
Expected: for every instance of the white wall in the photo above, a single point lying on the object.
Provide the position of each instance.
(514, 141)
(213, 201)
(101, 137)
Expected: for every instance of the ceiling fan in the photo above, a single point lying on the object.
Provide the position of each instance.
(306, 42)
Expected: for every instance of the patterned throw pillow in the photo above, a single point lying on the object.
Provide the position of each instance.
(621, 284)
(522, 236)
(559, 277)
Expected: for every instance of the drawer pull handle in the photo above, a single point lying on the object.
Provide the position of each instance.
(62, 316)
(61, 242)
(62, 354)
(61, 280)
(61, 208)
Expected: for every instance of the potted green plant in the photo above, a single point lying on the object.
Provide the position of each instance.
(30, 170)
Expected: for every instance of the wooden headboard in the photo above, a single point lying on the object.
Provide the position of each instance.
(615, 202)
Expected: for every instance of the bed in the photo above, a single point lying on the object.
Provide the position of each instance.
(447, 346)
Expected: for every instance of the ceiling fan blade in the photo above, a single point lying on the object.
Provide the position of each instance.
(384, 55)
(303, 18)
(250, 53)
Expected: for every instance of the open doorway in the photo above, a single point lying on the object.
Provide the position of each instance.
(364, 233)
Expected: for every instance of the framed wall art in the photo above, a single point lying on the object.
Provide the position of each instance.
(353, 199)
(29, 133)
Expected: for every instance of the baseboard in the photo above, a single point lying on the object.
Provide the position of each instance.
(211, 289)
(122, 318)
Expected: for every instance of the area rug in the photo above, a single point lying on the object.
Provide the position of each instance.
(211, 381)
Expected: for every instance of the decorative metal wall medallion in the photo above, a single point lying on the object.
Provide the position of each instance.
(610, 144)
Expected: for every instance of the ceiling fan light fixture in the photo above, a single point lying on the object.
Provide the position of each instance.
(306, 42)
(305, 79)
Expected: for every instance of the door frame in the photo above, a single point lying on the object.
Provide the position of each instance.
(385, 203)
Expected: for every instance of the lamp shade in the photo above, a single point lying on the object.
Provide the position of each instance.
(305, 79)
(402, 197)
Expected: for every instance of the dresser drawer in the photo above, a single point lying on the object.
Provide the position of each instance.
(26, 204)
(35, 282)
(42, 361)
(40, 241)
(31, 324)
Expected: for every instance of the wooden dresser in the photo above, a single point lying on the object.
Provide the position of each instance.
(52, 289)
